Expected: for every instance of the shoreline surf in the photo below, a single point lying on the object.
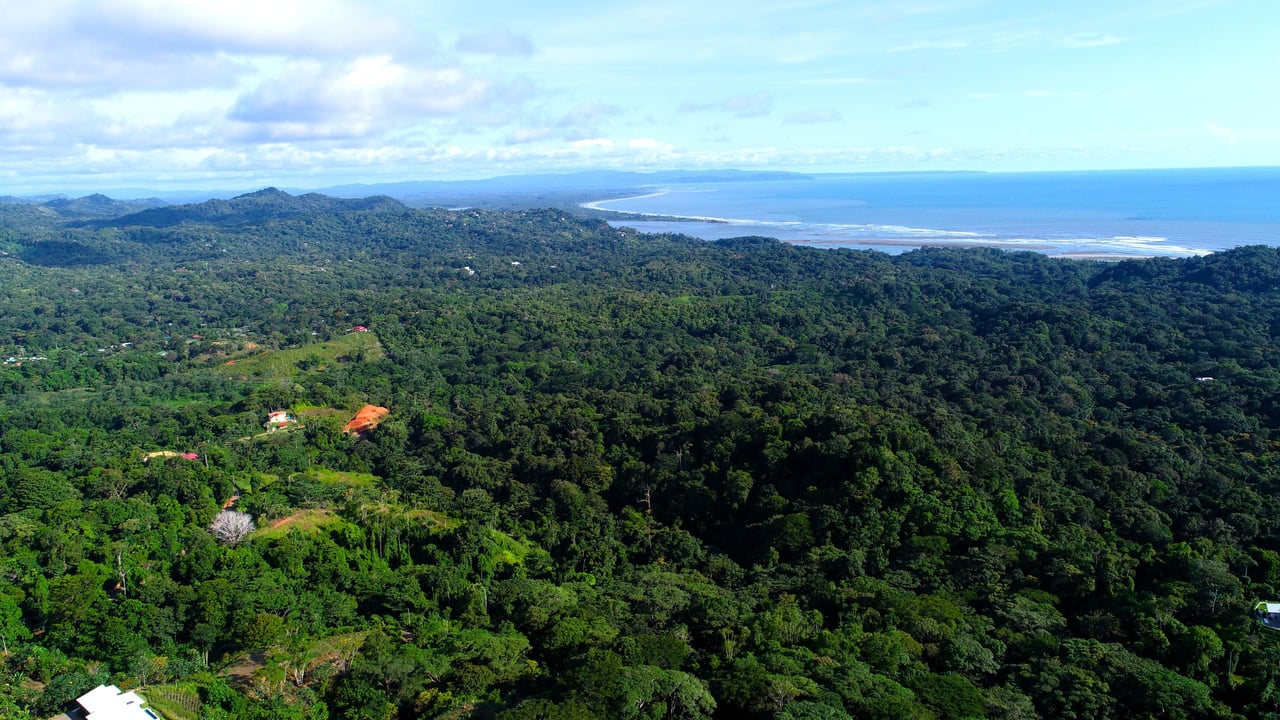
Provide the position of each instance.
(1041, 235)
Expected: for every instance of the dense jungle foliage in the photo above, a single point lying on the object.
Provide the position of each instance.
(626, 476)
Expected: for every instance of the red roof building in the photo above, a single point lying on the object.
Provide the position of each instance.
(366, 420)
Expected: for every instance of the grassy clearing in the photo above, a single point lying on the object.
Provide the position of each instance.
(180, 701)
(508, 550)
(325, 476)
(337, 649)
(245, 483)
(305, 412)
(287, 363)
(433, 520)
(305, 521)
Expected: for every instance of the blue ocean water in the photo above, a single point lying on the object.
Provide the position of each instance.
(1129, 213)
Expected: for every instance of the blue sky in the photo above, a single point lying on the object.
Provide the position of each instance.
(167, 94)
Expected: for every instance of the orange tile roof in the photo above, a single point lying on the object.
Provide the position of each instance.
(367, 419)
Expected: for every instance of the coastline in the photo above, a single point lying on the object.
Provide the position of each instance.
(595, 204)
(1067, 243)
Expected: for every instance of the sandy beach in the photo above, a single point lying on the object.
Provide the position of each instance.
(596, 204)
(834, 215)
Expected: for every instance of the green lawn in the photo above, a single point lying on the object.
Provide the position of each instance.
(289, 362)
(325, 476)
(302, 520)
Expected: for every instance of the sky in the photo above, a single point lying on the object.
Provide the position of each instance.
(171, 94)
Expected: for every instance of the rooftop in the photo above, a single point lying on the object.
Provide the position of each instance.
(106, 702)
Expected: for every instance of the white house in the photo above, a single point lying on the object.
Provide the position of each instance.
(106, 702)
(279, 419)
(1268, 613)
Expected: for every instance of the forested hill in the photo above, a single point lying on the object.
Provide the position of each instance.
(627, 476)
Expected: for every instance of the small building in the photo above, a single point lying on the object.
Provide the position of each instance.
(359, 328)
(1268, 614)
(106, 702)
(365, 420)
(279, 419)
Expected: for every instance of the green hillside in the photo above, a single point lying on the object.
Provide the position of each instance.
(630, 476)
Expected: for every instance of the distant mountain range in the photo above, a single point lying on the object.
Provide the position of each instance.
(265, 204)
(100, 206)
(100, 211)
(551, 182)
(418, 191)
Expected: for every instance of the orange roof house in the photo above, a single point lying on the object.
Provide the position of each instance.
(366, 420)
(279, 419)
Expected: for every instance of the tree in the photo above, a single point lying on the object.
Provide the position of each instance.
(11, 625)
(232, 527)
(651, 692)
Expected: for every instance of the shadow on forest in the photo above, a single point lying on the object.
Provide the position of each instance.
(59, 253)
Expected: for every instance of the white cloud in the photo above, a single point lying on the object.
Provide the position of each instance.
(100, 47)
(373, 88)
(271, 27)
(362, 97)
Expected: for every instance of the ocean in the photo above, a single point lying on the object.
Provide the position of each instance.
(1105, 214)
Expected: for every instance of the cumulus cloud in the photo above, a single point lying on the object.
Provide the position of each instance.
(278, 27)
(745, 105)
(361, 97)
(498, 42)
(31, 119)
(101, 47)
(101, 69)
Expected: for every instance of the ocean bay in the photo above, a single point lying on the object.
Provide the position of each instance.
(1112, 214)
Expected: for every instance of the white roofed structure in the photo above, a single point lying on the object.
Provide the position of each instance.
(1268, 614)
(106, 702)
